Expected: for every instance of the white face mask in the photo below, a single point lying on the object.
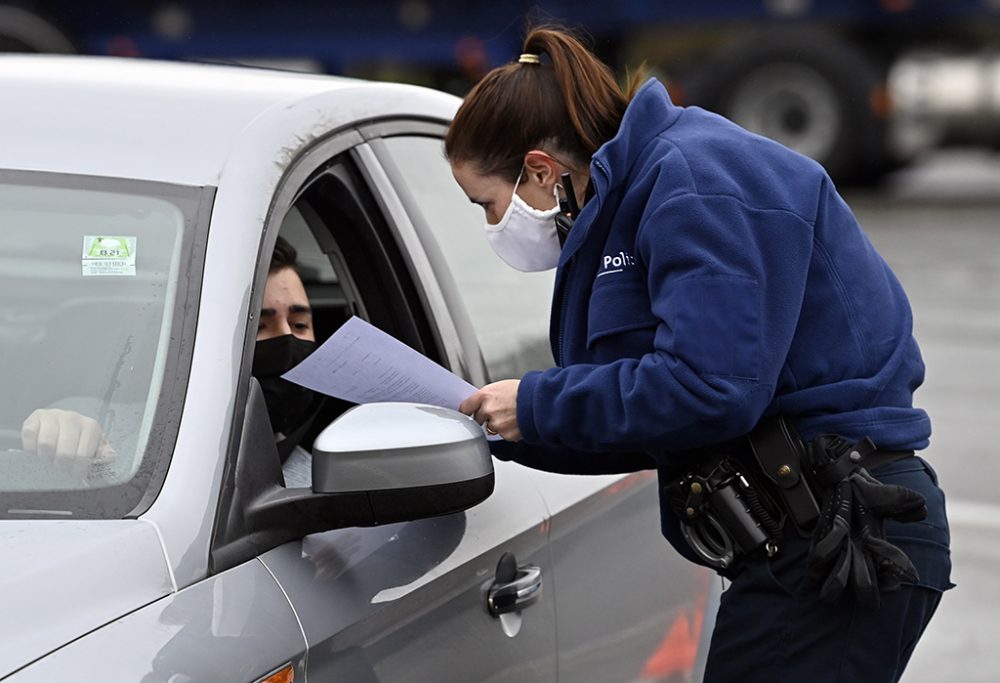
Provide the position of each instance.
(526, 238)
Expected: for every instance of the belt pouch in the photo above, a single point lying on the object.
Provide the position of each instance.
(778, 450)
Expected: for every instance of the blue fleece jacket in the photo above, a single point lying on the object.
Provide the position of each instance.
(715, 277)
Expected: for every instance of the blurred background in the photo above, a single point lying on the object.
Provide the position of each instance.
(863, 86)
(899, 99)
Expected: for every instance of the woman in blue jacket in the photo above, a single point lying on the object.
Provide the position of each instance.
(712, 278)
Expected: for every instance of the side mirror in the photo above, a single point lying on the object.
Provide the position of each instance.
(375, 464)
(410, 460)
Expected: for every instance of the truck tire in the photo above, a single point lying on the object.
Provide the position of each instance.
(808, 90)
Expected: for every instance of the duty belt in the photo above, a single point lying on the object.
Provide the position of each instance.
(738, 497)
(779, 452)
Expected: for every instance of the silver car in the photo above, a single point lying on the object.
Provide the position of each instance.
(139, 204)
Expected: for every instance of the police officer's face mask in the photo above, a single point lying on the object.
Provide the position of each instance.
(288, 403)
(526, 238)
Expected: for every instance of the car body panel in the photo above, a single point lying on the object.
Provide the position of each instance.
(103, 569)
(630, 608)
(396, 602)
(225, 628)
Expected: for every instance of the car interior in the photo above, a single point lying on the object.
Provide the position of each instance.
(350, 265)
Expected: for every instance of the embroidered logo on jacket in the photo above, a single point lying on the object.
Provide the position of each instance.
(615, 263)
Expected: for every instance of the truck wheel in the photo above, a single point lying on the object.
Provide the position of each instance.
(807, 90)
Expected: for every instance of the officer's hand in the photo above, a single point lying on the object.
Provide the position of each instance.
(72, 440)
(495, 407)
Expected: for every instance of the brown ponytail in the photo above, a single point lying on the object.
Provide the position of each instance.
(568, 103)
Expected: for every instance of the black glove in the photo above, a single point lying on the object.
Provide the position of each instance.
(849, 545)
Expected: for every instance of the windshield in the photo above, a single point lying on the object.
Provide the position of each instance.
(94, 274)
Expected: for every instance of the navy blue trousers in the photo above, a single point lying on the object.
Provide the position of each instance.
(772, 627)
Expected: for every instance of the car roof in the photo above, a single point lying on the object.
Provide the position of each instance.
(179, 122)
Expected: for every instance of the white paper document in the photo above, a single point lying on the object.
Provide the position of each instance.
(362, 364)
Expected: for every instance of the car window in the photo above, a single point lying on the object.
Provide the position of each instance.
(314, 265)
(348, 266)
(509, 309)
(90, 272)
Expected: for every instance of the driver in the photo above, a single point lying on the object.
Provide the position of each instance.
(285, 337)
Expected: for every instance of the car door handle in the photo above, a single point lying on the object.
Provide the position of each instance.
(512, 594)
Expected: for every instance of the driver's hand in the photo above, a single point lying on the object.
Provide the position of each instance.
(72, 440)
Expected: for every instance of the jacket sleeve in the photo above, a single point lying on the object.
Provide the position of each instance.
(725, 283)
(562, 460)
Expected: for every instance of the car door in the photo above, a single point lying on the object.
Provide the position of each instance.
(408, 601)
(629, 608)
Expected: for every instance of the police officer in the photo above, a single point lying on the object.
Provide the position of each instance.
(711, 279)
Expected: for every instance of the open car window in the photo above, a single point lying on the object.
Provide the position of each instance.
(349, 264)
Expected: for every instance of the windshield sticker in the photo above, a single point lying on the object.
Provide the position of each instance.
(104, 255)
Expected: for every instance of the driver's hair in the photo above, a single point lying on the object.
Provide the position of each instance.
(283, 256)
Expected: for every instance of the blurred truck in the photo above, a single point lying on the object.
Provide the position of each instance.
(860, 85)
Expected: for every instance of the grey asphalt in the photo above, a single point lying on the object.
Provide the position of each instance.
(938, 225)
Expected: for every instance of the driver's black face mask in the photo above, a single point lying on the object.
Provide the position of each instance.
(288, 404)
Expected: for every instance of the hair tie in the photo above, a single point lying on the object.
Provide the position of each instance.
(528, 58)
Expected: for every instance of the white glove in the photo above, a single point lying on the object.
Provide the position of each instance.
(72, 440)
